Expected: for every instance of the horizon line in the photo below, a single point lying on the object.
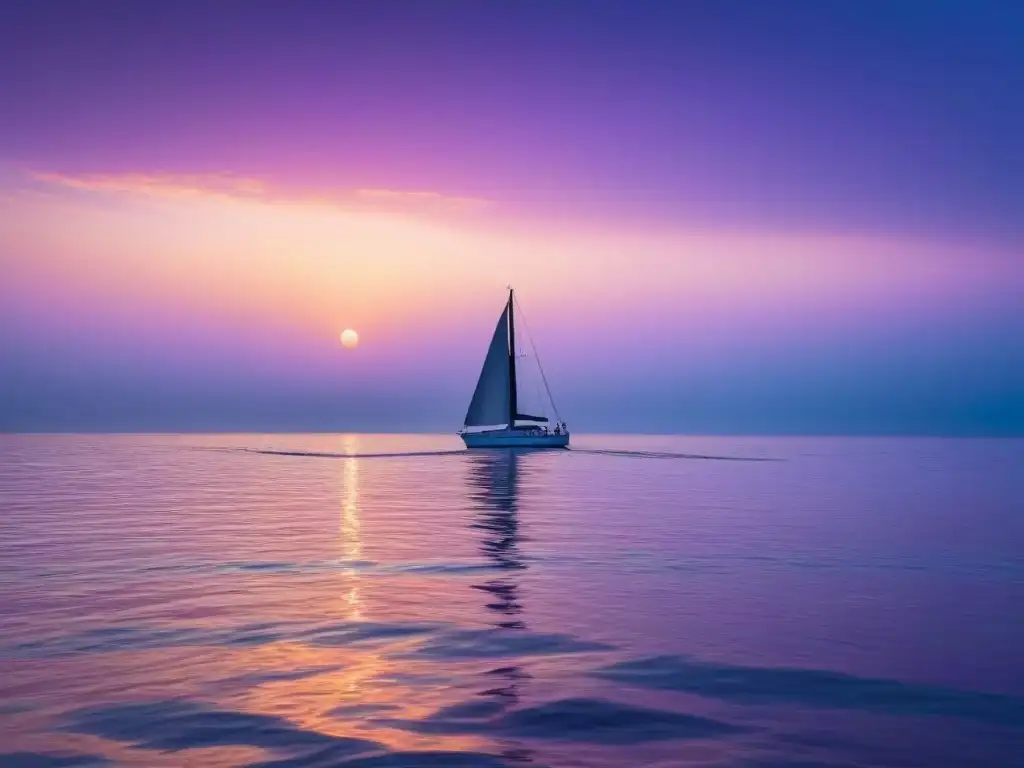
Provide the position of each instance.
(617, 433)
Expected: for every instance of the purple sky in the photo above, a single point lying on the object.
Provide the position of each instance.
(734, 216)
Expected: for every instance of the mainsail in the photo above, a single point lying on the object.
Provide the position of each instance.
(489, 406)
(495, 399)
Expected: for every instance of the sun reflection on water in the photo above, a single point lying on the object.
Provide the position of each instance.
(370, 664)
(351, 534)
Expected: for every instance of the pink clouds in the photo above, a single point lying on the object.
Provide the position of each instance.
(226, 186)
(402, 267)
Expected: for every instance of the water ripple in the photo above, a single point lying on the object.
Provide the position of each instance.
(585, 720)
(227, 600)
(813, 688)
(50, 760)
(179, 724)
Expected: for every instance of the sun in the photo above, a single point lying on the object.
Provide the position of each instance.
(349, 338)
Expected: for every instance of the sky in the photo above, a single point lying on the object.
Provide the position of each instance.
(730, 217)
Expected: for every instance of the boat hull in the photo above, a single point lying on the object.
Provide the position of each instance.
(514, 438)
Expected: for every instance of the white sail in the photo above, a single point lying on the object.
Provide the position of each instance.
(490, 403)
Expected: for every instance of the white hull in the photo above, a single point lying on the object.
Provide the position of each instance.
(514, 438)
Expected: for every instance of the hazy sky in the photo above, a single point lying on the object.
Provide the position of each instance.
(721, 217)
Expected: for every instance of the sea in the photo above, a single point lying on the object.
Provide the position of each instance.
(396, 600)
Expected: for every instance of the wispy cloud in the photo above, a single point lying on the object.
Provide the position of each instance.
(419, 200)
(159, 185)
(234, 187)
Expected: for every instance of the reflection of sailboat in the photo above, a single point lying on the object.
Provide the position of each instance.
(495, 477)
(495, 403)
(494, 493)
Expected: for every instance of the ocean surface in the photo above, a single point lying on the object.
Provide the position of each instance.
(382, 600)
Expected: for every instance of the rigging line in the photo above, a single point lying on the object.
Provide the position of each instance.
(540, 397)
(533, 345)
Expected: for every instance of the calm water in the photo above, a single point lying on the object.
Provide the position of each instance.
(394, 600)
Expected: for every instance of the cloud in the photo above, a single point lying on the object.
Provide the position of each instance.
(227, 186)
(174, 186)
(423, 200)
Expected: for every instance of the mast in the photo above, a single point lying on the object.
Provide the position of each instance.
(512, 405)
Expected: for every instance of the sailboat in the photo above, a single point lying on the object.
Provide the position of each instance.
(493, 419)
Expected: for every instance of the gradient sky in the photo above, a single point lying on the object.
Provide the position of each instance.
(745, 217)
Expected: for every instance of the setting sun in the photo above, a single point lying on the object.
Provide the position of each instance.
(349, 338)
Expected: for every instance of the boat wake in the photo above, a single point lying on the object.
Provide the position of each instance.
(328, 455)
(464, 452)
(666, 455)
